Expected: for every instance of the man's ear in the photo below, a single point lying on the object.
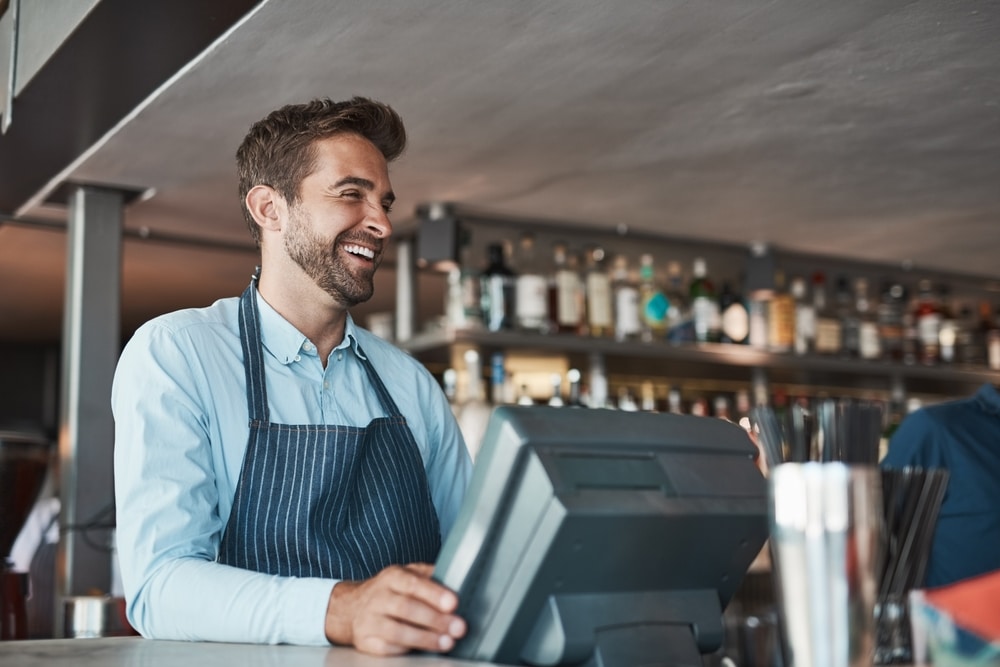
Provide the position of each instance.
(266, 206)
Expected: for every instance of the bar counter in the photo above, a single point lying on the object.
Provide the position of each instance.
(139, 652)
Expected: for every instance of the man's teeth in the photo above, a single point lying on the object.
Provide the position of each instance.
(360, 250)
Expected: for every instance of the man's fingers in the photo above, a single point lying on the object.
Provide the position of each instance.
(414, 581)
(393, 637)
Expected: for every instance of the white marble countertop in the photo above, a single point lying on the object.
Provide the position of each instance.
(139, 652)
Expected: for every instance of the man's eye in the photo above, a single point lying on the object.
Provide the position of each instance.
(387, 208)
(353, 194)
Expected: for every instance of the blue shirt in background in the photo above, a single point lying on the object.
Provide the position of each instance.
(181, 427)
(962, 436)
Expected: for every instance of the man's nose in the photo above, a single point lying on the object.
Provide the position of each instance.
(378, 222)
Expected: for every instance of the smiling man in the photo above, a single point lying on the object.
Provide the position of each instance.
(281, 474)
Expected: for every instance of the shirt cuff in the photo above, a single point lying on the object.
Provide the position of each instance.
(305, 610)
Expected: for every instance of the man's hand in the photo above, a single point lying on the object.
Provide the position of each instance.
(397, 610)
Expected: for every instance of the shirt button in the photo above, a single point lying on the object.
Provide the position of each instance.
(308, 347)
(298, 358)
(326, 385)
(340, 356)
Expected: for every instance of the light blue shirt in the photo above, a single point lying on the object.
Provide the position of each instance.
(181, 428)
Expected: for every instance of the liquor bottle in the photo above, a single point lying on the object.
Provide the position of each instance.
(566, 292)
(497, 290)
(625, 297)
(626, 402)
(575, 398)
(699, 407)
(805, 318)
(704, 304)
(758, 309)
(735, 319)
(531, 298)
(598, 288)
(524, 396)
(675, 404)
(781, 317)
(720, 407)
(474, 411)
(680, 328)
(927, 319)
(654, 307)
(890, 320)
(970, 344)
(556, 399)
(977, 352)
(463, 306)
(848, 316)
(449, 381)
(498, 379)
(828, 338)
(647, 396)
(869, 341)
(948, 330)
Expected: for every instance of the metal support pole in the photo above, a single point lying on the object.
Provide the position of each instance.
(91, 345)
(406, 292)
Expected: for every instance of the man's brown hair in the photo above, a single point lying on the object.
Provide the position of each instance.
(279, 150)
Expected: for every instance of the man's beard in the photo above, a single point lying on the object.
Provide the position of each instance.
(321, 261)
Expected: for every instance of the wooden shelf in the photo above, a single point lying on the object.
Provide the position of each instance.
(711, 361)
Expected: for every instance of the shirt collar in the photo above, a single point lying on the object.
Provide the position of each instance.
(286, 343)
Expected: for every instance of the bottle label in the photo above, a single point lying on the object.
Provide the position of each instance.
(869, 343)
(805, 328)
(627, 312)
(569, 290)
(781, 323)
(827, 336)
(497, 296)
(736, 322)
(654, 310)
(530, 300)
(706, 317)
(598, 301)
(928, 329)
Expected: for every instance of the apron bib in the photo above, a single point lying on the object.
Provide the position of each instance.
(329, 501)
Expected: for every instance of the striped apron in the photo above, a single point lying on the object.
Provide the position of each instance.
(339, 502)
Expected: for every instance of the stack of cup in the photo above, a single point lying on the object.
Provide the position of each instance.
(826, 524)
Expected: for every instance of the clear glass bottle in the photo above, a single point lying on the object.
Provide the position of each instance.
(828, 329)
(531, 298)
(625, 297)
(498, 378)
(575, 379)
(680, 328)
(497, 290)
(675, 403)
(948, 330)
(869, 341)
(892, 302)
(805, 318)
(735, 318)
(927, 320)
(780, 317)
(566, 292)
(598, 288)
(474, 410)
(654, 307)
(848, 316)
(704, 304)
(555, 398)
